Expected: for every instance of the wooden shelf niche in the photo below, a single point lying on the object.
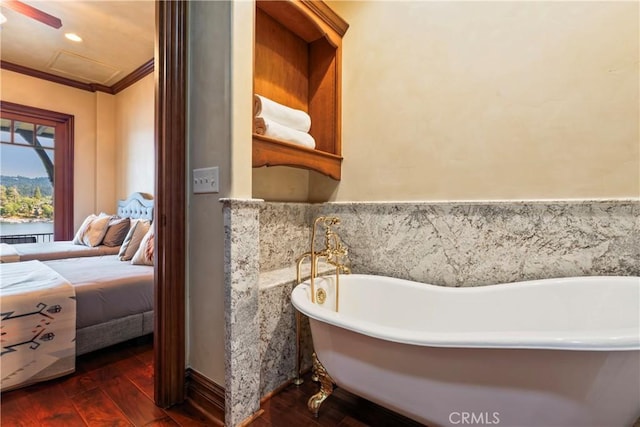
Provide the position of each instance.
(298, 63)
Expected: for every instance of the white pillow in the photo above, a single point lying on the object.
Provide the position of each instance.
(77, 239)
(144, 254)
(92, 230)
(137, 231)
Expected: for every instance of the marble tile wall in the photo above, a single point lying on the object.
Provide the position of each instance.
(278, 329)
(242, 361)
(284, 233)
(278, 338)
(445, 243)
(479, 243)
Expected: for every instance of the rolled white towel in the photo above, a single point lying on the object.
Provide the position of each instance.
(286, 116)
(273, 129)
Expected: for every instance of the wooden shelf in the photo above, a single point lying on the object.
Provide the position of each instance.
(298, 48)
(272, 152)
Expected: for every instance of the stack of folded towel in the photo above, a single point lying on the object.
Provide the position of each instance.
(281, 122)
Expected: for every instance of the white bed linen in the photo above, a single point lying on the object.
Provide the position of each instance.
(38, 323)
(51, 250)
(8, 253)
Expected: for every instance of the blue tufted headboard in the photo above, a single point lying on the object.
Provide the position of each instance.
(138, 205)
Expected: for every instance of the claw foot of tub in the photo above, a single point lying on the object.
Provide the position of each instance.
(326, 387)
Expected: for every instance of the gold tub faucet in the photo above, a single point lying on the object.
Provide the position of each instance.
(333, 253)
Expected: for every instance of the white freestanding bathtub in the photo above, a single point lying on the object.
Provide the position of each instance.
(556, 352)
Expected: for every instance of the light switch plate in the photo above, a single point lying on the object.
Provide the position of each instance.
(205, 180)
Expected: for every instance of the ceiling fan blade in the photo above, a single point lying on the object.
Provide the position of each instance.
(32, 12)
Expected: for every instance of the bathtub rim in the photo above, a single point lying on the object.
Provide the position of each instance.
(622, 340)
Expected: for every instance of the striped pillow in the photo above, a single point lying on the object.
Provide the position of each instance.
(92, 230)
(144, 254)
(137, 231)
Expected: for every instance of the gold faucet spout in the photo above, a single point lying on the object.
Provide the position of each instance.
(299, 262)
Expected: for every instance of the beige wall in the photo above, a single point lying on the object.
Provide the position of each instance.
(487, 100)
(38, 93)
(281, 184)
(219, 134)
(113, 137)
(106, 152)
(135, 128)
(241, 97)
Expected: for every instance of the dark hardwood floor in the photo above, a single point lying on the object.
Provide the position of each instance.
(114, 387)
(111, 387)
(341, 409)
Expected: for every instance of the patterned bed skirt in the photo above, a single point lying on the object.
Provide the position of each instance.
(37, 323)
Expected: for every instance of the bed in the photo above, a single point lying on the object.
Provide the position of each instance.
(114, 299)
(52, 311)
(137, 206)
(37, 320)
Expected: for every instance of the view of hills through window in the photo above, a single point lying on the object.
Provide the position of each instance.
(26, 178)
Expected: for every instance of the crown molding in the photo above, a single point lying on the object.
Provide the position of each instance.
(327, 15)
(137, 74)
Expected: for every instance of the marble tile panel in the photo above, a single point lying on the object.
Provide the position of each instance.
(277, 318)
(444, 243)
(277, 337)
(284, 233)
(478, 243)
(242, 361)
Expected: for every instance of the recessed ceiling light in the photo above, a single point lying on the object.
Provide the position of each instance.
(73, 37)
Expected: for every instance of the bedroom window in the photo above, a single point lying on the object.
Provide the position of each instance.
(36, 178)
